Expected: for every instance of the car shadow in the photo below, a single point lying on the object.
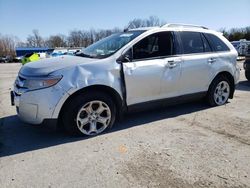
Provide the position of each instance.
(243, 85)
(17, 137)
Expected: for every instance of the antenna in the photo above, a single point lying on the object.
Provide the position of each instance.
(130, 24)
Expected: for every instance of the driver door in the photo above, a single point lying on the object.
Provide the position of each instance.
(146, 75)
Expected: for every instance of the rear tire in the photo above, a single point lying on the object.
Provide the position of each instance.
(247, 74)
(219, 91)
(89, 113)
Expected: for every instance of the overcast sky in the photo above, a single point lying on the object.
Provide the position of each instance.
(20, 17)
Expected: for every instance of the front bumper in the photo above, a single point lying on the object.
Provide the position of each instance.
(36, 106)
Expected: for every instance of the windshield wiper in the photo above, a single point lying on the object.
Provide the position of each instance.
(81, 54)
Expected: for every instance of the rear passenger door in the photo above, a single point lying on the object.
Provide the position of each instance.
(197, 62)
(224, 55)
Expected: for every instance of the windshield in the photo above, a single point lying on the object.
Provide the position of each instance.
(108, 46)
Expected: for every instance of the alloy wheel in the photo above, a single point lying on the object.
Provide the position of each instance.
(93, 118)
(221, 93)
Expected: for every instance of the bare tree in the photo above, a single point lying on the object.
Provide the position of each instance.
(149, 22)
(83, 38)
(154, 21)
(75, 38)
(56, 41)
(7, 45)
(100, 34)
(224, 32)
(88, 37)
(22, 44)
(236, 34)
(35, 40)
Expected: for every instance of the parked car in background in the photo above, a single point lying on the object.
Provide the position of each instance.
(3, 60)
(30, 57)
(56, 54)
(6, 59)
(43, 55)
(247, 63)
(236, 45)
(241, 46)
(18, 59)
(248, 50)
(127, 71)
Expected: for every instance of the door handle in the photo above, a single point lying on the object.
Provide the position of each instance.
(171, 64)
(211, 60)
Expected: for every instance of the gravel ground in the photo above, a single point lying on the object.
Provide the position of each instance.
(189, 145)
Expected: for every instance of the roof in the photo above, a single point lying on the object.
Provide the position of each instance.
(178, 25)
(173, 26)
(143, 28)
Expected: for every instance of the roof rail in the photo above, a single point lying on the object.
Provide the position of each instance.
(183, 25)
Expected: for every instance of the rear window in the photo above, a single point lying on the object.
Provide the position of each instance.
(191, 42)
(217, 44)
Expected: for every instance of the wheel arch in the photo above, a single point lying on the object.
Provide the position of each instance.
(230, 78)
(97, 88)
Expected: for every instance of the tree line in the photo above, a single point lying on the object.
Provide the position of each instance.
(7, 45)
(236, 34)
(83, 38)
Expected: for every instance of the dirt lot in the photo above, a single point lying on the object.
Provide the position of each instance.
(188, 145)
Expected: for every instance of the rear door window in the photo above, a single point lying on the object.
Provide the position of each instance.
(206, 45)
(191, 42)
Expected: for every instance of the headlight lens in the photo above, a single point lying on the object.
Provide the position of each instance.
(39, 83)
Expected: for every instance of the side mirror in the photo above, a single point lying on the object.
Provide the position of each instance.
(126, 57)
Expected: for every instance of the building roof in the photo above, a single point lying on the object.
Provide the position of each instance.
(21, 51)
(32, 48)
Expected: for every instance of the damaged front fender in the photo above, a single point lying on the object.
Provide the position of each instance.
(79, 77)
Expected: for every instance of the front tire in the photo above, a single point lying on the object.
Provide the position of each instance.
(219, 91)
(89, 114)
(247, 74)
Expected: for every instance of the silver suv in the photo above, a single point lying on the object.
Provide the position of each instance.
(134, 69)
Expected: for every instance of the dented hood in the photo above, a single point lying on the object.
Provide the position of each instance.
(47, 66)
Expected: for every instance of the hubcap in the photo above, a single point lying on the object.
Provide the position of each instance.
(93, 118)
(221, 93)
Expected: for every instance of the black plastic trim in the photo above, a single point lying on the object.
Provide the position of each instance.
(166, 102)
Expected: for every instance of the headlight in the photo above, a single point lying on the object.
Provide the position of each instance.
(39, 83)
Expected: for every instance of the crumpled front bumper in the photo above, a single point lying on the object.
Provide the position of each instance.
(36, 106)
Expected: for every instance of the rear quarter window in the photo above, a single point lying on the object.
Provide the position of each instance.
(217, 44)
